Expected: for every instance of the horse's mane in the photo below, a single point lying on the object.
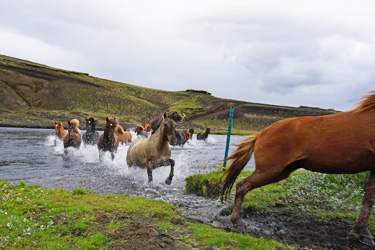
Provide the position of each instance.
(74, 122)
(367, 103)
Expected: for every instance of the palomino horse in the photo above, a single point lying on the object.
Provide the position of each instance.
(183, 137)
(173, 114)
(333, 144)
(73, 138)
(139, 130)
(155, 151)
(60, 133)
(123, 136)
(91, 136)
(108, 141)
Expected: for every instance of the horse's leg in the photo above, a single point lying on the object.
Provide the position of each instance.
(255, 180)
(101, 155)
(149, 174)
(361, 227)
(112, 155)
(171, 173)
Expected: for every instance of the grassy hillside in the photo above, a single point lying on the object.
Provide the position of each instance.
(35, 95)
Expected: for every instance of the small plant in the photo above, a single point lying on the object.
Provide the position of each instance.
(80, 191)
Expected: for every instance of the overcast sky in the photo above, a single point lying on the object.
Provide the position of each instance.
(292, 53)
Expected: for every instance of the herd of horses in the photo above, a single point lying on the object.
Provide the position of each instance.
(144, 152)
(340, 143)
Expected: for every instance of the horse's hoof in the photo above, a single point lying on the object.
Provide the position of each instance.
(168, 181)
(367, 240)
(238, 222)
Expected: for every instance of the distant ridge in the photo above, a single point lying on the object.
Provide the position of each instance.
(35, 95)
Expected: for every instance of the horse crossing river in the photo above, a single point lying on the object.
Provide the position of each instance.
(30, 155)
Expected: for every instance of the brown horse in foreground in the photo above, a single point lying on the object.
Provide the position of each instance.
(60, 133)
(155, 151)
(73, 138)
(123, 136)
(109, 141)
(333, 144)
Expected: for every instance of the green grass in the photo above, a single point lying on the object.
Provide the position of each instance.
(32, 217)
(224, 240)
(304, 192)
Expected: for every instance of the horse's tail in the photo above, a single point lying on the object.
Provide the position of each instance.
(239, 161)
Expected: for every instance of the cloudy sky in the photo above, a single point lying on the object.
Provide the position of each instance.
(312, 53)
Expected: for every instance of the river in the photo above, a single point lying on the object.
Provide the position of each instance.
(31, 155)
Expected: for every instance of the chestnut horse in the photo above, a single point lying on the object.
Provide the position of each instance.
(91, 136)
(108, 141)
(333, 144)
(60, 133)
(123, 136)
(155, 151)
(73, 138)
(139, 130)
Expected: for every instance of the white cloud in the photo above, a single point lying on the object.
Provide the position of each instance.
(313, 53)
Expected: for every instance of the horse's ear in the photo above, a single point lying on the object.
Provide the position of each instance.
(165, 115)
(107, 119)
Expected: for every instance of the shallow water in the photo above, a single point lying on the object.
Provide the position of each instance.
(30, 155)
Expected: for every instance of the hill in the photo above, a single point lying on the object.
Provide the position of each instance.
(35, 95)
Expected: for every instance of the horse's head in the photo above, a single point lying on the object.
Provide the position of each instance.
(90, 124)
(57, 126)
(138, 129)
(168, 129)
(111, 124)
(73, 126)
(175, 115)
(208, 130)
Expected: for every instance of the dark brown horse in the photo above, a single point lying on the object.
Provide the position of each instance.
(91, 136)
(173, 114)
(155, 151)
(108, 141)
(139, 130)
(73, 138)
(203, 136)
(333, 144)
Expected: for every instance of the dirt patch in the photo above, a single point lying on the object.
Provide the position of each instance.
(124, 230)
(304, 232)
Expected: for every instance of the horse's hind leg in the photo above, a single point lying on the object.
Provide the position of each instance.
(361, 227)
(149, 174)
(171, 173)
(255, 180)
